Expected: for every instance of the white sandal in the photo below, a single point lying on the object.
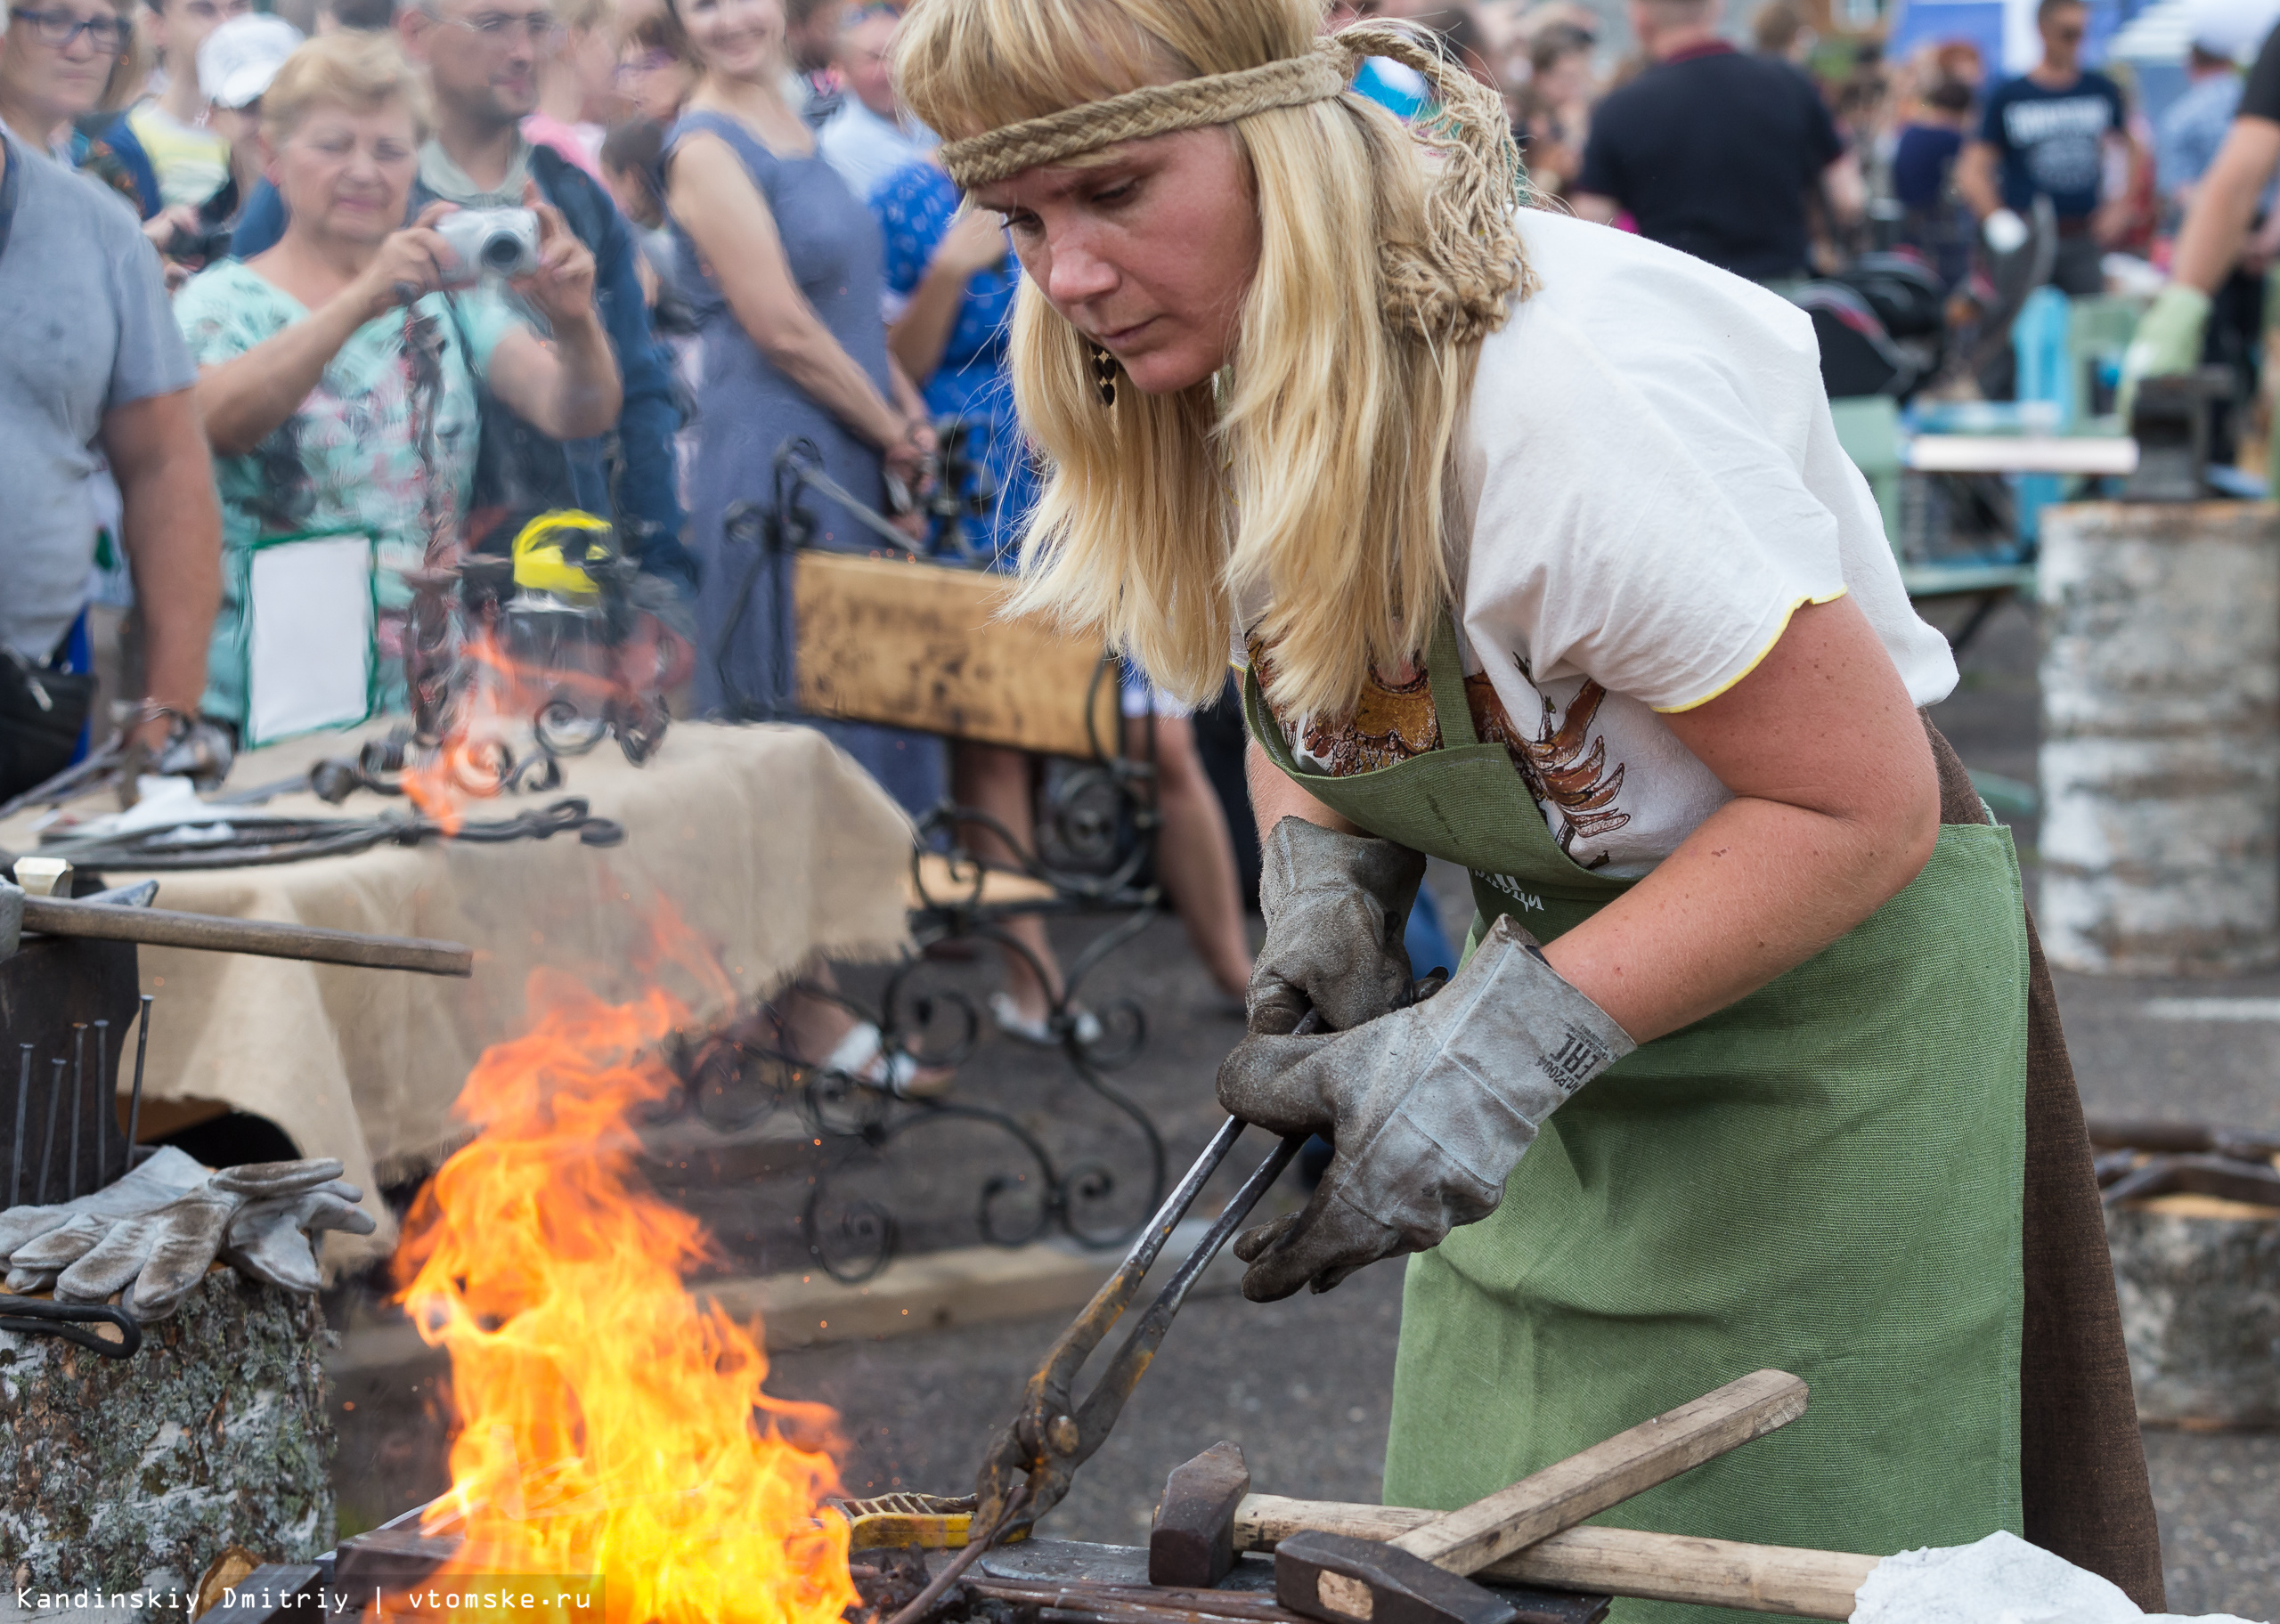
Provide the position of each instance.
(1011, 1021)
(862, 1055)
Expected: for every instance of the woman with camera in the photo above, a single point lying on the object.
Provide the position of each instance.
(311, 396)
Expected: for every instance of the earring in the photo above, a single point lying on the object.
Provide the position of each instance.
(1104, 374)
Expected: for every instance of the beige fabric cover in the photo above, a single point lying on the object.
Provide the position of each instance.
(773, 844)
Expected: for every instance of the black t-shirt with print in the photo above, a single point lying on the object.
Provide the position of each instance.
(2052, 143)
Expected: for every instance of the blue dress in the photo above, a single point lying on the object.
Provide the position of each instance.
(748, 410)
(915, 206)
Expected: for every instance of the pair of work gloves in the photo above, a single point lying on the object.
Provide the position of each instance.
(1429, 1103)
(153, 1234)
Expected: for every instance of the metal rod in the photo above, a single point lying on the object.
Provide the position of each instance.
(23, 1099)
(79, 1094)
(106, 1103)
(47, 1140)
(134, 1100)
(209, 933)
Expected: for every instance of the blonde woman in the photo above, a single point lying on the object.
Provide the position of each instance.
(1549, 565)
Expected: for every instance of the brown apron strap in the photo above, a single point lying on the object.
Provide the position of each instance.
(2082, 1463)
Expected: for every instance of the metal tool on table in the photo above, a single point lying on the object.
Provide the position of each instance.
(1656, 1567)
(1423, 1577)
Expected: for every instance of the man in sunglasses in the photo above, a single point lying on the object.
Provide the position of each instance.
(2045, 133)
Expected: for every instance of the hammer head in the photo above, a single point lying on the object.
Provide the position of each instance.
(1345, 1580)
(1192, 1543)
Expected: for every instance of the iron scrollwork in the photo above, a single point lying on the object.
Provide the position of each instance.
(1092, 856)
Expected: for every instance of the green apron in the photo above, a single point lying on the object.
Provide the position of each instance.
(1824, 1177)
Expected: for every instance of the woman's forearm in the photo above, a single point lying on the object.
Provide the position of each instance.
(588, 391)
(923, 331)
(805, 351)
(243, 400)
(1756, 890)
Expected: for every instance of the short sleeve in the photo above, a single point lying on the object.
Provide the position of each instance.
(1641, 510)
(1990, 122)
(1825, 145)
(2261, 97)
(1599, 175)
(914, 214)
(151, 359)
(486, 316)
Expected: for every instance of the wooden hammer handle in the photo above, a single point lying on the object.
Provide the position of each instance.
(1566, 1493)
(158, 928)
(1800, 1584)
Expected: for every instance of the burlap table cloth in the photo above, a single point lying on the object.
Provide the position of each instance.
(773, 847)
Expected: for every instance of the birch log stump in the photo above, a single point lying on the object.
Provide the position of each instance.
(2161, 746)
(131, 1475)
(2199, 1282)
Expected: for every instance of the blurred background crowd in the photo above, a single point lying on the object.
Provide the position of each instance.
(248, 330)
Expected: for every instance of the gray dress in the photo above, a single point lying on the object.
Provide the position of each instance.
(748, 410)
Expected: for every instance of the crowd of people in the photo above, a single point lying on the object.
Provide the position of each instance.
(743, 241)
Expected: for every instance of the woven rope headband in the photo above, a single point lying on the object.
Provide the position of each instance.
(1452, 285)
(1153, 110)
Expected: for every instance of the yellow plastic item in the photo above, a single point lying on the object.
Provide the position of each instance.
(551, 552)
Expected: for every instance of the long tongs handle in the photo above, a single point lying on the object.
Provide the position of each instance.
(1131, 1361)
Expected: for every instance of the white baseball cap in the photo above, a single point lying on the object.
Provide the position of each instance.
(240, 57)
(2231, 27)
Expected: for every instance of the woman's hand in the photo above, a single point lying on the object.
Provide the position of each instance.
(562, 288)
(974, 243)
(175, 220)
(910, 458)
(407, 265)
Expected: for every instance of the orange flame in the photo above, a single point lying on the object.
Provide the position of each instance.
(497, 705)
(609, 1425)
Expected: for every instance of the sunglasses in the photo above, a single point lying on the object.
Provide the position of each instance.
(58, 29)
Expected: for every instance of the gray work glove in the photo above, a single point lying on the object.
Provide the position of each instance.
(163, 1254)
(1429, 1109)
(1335, 906)
(163, 1175)
(274, 1240)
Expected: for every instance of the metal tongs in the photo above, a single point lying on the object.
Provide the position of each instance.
(1052, 1434)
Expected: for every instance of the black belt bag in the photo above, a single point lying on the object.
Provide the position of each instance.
(41, 715)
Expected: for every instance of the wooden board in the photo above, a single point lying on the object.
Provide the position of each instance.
(920, 646)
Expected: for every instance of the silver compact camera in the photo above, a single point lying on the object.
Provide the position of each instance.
(501, 242)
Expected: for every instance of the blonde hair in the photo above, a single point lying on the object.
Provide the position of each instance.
(353, 69)
(1312, 477)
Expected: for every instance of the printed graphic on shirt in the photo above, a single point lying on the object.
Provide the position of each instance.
(2059, 140)
(1563, 762)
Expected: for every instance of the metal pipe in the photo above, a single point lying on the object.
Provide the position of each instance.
(79, 1094)
(106, 1103)
(134, 1100)
(48, 1140)
(23, 1099)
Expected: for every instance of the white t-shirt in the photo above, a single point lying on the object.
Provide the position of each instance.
(1652, 484)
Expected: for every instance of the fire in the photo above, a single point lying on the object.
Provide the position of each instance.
(607, 1424)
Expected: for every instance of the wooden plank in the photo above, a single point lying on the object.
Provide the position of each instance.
(1566, 1493)
(916, 644)
(1804, 1584)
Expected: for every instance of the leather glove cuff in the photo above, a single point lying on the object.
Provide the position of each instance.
(1504, 1046)
(1335, 906)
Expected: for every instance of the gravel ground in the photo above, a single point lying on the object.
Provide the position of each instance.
(1303, 1386)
